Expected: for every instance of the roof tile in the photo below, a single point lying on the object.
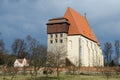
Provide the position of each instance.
(79, 25)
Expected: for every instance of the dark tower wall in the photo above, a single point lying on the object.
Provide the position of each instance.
(57, 25)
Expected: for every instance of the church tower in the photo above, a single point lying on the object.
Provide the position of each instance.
(74, 34)
(57, 30)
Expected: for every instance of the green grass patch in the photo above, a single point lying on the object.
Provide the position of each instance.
(64, 77)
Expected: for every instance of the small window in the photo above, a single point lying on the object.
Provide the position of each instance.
(51, 36)
(56, 35)
(51, 41)
(56, 40)
(61, 35)
(61, 41)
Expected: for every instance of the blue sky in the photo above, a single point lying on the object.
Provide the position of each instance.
(19, 18)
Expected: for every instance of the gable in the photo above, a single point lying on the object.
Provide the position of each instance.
(79, 25)
(21, 62)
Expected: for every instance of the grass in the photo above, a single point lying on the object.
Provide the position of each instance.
(64, 77)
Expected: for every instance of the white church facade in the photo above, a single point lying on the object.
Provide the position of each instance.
(73, 33)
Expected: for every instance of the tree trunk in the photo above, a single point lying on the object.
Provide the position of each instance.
(58, 73)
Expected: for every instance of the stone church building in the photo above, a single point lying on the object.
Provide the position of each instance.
(74, 34)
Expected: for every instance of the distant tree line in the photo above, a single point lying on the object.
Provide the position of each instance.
(112, 53)
(22, 48)
(36, 53)
(30, 48)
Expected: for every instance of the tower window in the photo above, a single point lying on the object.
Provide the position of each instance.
(61, 35)
(51, 36)
(56, 35)
(61, 41)
(56, 40)
(51, 41)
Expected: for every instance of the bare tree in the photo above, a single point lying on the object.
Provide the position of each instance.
(117, 46)
(56, 59)
(37, 55)
(37, 60)
(19, 47)
(107, 52)
(31, 44)
(2, 50)
(9, 69)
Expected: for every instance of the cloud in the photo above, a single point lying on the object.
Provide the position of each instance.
(19, 18)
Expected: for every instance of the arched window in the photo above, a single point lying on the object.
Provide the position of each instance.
(70, 44)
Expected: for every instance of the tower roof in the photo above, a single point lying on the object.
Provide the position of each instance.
(57, 21)
(57, 25)
(79, 25)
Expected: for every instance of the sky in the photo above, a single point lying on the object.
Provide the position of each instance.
(19, 18)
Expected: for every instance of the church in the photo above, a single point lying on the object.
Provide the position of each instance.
(73, 33)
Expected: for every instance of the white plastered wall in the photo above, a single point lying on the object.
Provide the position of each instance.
(78, 48)
(56, 45)
(85, 50)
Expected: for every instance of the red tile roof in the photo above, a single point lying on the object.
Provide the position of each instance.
(79, 25)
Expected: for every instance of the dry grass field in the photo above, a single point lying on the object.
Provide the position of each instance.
(64, 77)
(68, 76)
